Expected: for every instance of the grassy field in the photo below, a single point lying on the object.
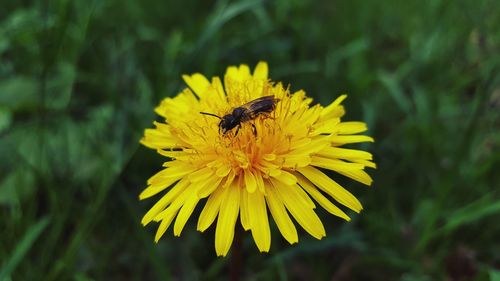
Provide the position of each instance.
(79, 81)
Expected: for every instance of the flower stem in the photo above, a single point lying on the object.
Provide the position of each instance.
(236, 256)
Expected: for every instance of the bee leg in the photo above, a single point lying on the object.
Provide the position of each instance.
(220, 127)
(237, 130)
(254, 130)
(268, 116)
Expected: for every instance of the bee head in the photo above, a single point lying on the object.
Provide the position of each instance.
(228, 122)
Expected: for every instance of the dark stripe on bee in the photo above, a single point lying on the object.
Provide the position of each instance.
(259, 106)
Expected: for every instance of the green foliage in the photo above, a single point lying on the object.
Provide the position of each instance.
(79, 81)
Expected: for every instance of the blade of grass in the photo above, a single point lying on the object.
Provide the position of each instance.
(162, 270)
(22, 247)
(393, 86)
(486, 206)
(222, 14)
(494, 275)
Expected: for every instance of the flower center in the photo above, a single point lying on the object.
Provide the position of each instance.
(255, 141)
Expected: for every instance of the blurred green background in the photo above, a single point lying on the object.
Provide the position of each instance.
(79, 81)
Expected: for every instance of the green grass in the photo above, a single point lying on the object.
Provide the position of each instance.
(79, 81)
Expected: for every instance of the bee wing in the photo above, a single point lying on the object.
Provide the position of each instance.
(260, 105)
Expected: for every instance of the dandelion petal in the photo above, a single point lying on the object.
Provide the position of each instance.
(260, 71)
(211, 209)
(304, 215)
(228, 213)
(165, 223)
(257, 214)
(164, 201)
(198, 83)
(322, 200)
(185, 213)
(332, 188)
(281, 217)
(244, 217)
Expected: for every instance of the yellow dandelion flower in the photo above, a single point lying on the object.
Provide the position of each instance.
(273, 162)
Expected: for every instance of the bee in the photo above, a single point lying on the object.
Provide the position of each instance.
(244, 113)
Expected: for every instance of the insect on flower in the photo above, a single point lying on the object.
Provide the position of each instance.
(247, 112)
